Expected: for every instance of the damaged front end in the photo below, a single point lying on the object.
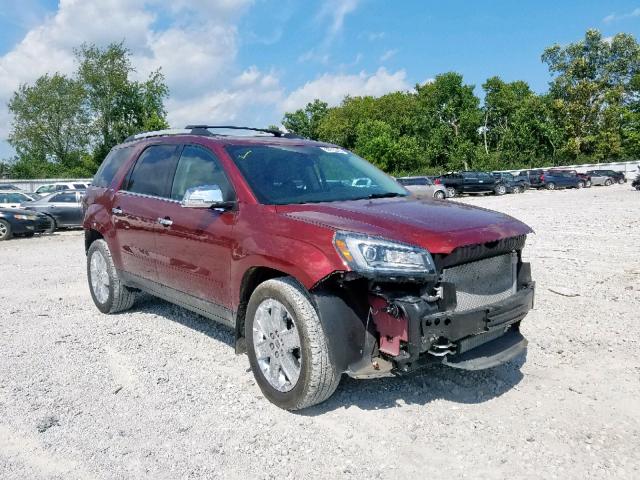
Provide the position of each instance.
(466, 313)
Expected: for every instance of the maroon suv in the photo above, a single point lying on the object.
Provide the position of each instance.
(321, 263)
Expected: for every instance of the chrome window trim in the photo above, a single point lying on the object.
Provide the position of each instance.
(152, 197)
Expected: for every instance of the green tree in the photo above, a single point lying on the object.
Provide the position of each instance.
(306, 121)
(50, 128)
(449, 120)
(119, 106)
(592, 79)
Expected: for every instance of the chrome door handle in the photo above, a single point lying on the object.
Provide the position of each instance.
(165, 222)
(116, 211)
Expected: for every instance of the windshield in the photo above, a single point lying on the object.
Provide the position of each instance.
(281, 174)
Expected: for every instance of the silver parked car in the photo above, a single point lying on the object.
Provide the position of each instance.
(600, 179)
(423, 187)
(65, 208)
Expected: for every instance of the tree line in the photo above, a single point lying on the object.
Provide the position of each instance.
(65, 125)
(590, 113)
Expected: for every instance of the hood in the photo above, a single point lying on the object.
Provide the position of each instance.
(438, 226)
(18, 211)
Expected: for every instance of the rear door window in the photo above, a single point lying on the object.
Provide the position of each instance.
(110, 166)
(153, 171)
(66, 197)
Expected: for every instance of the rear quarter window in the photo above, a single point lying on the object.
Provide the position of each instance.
(110, 166)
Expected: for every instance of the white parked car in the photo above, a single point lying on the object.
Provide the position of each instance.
(59, 186)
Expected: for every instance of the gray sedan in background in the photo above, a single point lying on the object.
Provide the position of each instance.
(423, 187)
(65, 208)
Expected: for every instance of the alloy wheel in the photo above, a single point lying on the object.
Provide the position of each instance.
(99, 277)
(276, 342)
(4, 230)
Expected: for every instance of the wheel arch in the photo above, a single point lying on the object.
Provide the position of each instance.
(90, 236)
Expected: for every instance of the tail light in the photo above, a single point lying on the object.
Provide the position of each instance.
(437, 181)
(542, 177)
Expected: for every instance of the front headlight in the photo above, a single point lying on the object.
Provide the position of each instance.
(25, 217)
(375, 256)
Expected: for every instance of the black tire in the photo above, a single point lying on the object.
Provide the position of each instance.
(28, 235)
(318, 377)
(52, 225)
(588, 184)
(516, 189)
(439, 195)
(5, 230)
(580, 184)
(551, 186)
(500, 190)
(608, 182)
(120, 297)
(621, 181)
(451, 192)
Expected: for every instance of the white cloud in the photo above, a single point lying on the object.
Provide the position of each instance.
(333, 88)
(336, 11)
(622, 16)
(388, 55)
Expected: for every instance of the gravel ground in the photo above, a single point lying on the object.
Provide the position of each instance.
(158, 392)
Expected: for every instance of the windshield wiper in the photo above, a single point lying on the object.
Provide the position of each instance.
(385, 195)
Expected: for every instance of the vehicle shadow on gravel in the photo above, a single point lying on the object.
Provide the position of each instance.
(422, 387)
(435, 382)
(150, 304)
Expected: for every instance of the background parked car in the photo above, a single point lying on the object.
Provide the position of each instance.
(583, 178)
(636, 183)
(517, 183)
(20, 223)
(556, 179)
(64, 208)
(13, 198)
(423, 187)
(60, 186)
(615, 176)
(600, 178)
(534, 177)
(472, 182)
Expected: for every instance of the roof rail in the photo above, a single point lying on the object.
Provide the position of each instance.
(276, 133)
(204, 130)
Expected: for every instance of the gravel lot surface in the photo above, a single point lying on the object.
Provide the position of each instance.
(158, 392)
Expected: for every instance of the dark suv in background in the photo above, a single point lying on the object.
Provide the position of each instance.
(457, 183)
(321, 263)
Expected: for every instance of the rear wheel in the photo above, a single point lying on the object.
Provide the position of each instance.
(517, 189)
(287, 346)
(580, 184)
(451, 192)
(500, 190)
(621, 181)
(551, 186)
(588, 184)
(608, 182)
(439, 194)
(52, 226)
(5, 230)
(107, 290)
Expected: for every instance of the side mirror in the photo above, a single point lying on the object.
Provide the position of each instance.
(205, 196)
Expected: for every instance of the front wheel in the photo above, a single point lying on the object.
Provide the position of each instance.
(451, 192)
(287, 346)
(621, 181)
(551, 186)
(580, 184)
(608, 182)
(439, 195)
(517, 189)
(109, 293)
(5, 230)
(500, 190)
(588, 184)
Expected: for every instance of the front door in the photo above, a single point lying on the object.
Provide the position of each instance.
(136, 206)
(195, 244)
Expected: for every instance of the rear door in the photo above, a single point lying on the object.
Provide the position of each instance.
(138, 205)
(470, 182)
(195, 244)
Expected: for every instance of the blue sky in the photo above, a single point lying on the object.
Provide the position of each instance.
(247, 61)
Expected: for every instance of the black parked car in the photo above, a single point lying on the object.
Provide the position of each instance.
(615, 176)
(64, 208)
(21, 223)
(473, 182)
(517, 183)
(636, 183)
